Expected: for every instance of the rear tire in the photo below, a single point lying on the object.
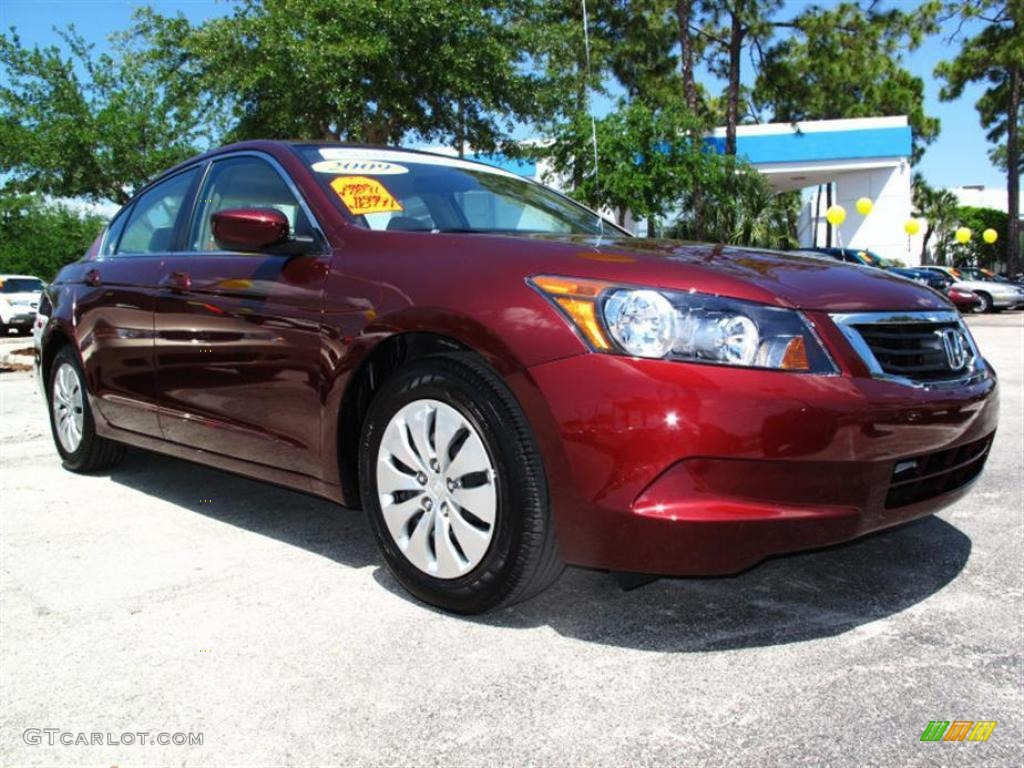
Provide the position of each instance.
(71, 420)
(460, 406)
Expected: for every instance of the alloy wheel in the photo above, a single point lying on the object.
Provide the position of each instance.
(68, 404)
(437, 488)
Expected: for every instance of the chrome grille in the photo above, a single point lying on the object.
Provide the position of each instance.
(916, 348)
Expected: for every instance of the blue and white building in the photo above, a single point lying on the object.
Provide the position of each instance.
(863, 157)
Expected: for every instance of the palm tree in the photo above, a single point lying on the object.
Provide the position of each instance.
(940, 208)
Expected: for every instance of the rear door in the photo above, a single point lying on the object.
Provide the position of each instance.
(238, 348)
(116, 301)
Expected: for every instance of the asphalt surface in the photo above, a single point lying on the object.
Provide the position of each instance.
(167, 597)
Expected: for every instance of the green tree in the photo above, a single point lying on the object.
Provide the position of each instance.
(739, 208)
(360, 70)
(733, 25)
(995, 56)
(553, 31)
(650, 165)
(847, 62)
(37, 238)
(939, 208)
(77, 124)
(647, 160)
(977, 252)
(642, 35)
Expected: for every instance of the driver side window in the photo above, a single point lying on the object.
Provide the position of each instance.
(243, 182)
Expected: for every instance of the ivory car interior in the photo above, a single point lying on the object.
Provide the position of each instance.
(505, 382)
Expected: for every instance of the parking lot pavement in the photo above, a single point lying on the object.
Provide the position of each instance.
(166, 597)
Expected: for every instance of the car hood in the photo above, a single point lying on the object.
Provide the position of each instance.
(24, 297)
(772, 277)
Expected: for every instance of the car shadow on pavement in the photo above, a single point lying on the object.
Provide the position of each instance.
(787, 599)
(294, 518)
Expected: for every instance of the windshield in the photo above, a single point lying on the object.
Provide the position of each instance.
(871, 259)
(414, 192)
(974, 273)
(20, 285)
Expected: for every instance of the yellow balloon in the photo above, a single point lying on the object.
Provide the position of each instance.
(990, 236)
(912, 226)
(864, 206)
(835, 215)
(963, 235)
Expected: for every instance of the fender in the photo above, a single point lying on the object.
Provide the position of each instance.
(465, 332)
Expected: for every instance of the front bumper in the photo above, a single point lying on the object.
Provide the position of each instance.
(673, 468)
(21, 319)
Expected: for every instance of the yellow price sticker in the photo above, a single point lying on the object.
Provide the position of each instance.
(361, 194)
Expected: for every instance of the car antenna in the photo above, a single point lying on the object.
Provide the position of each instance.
(590, 106)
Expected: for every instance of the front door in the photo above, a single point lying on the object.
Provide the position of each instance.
(238, 349)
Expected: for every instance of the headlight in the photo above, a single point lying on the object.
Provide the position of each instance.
(694, 327)
(642, 322)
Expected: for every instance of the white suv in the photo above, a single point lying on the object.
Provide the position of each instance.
(19, 301)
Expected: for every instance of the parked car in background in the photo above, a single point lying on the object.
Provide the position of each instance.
(927, 277)
(980, 273)
(951, 272)
(965, 300)
(19, 301)
(504, 381)
(995, 295)
(860, 256)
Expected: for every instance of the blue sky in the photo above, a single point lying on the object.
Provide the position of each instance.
(959, 155)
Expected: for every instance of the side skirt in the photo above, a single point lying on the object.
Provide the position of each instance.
(282, 477)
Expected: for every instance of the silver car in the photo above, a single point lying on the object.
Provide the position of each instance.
(995, 295)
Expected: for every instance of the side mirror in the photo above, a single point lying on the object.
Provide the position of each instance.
(250, 230)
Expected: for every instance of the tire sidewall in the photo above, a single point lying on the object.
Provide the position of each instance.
(486, 583)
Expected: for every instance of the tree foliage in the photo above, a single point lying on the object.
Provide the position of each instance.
(359, 70)
(995, 56)
(77, 124)
(38, 238)
(847, 62)
(647, 158)
(977, 252)
(731, 26)
(735, 205)
(940, 209)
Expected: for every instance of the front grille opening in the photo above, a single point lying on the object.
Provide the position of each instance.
(922, 477)
(911, 350)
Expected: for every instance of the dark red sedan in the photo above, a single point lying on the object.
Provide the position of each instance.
(964, 300)
(503, 381)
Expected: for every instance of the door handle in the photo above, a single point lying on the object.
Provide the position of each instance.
(178, 282)
(92, 278)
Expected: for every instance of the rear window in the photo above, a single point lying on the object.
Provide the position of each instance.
(414, 192)
(20, 285)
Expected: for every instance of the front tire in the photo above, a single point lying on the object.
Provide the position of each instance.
(985, 305)
(453, 485)
(71, 420)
